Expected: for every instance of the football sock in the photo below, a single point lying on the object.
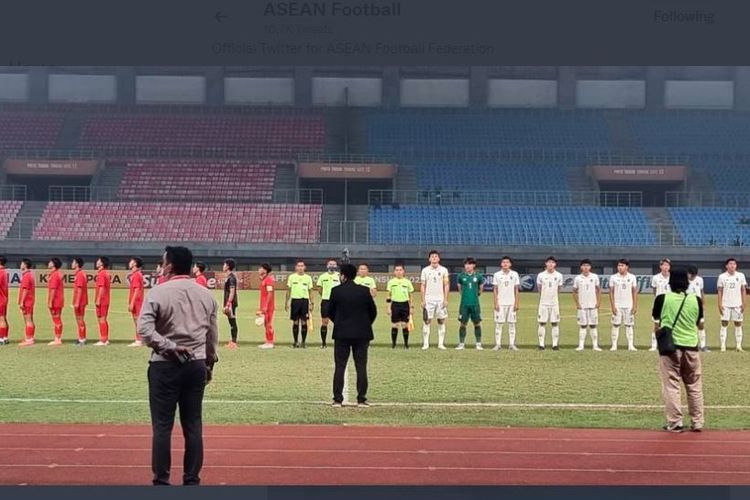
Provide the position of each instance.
(323, 334)
(630, 336)
(233, 328)
(498, 334)
(615, 335)
(441, 334)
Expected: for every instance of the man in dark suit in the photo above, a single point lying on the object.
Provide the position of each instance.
(353, 311)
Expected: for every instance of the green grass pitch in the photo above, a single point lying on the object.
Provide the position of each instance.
(526, 388)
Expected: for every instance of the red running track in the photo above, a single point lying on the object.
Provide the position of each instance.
(361, 455)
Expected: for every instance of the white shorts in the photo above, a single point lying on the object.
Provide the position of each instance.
(548, 314)
(623, 317)
(435, 310)
(732, 314)
(506, 314)
(588, 317)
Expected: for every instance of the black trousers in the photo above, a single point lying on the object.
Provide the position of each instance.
(171, 384)
(341, 350)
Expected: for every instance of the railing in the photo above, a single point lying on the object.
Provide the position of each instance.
(514, 234)
(377, 197)
(104, 193)
(737, 199)
(13, 192)
(23, 228)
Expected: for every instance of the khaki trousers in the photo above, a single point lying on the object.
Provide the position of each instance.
(685, 367)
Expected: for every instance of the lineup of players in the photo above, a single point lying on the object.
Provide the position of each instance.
(434, 295)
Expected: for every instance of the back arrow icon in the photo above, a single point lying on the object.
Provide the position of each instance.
(220, 16)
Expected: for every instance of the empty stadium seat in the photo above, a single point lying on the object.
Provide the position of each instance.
(29, 128)
(435, 131)
(690, 132)
(197, 180)
(498, 176)
(453, 225)
(192, 222)
(712, 226)
(8, 213)
(271, 134)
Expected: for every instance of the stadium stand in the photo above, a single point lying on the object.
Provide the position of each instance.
(690, 132)
(8, 213)
(496, 176)
(197, 180)
(423, 225)
(712, 226)
(435, 131)
(195, 222)
(29, 128)
(275, 135)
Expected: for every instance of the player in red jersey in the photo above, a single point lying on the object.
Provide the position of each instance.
(26, 300)
(267, 303)
(56, 298)
(198, 270)
(80, 298)
(3, 302)
(101, 300)
(136, 295)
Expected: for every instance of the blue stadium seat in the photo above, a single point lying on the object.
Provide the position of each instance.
(486, 225)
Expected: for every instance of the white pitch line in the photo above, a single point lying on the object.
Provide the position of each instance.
(424, 404)
(420, 452)
(395, 468)
(370, 437)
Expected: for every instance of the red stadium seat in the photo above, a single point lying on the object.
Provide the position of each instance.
(196, 222)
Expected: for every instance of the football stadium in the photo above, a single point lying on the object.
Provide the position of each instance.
(469, 198)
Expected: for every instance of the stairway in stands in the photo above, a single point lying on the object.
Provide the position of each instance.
(26, 220)
(579, 179)
(107, 182)
(663, 226)
(406, 179)
(71, 129)
(284, 182)
(619, 133)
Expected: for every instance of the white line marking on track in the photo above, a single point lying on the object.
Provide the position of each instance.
(399, 468)
(394, 452)
(424, 404)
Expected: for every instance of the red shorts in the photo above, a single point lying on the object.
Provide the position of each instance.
(137, 308)
(102, 311)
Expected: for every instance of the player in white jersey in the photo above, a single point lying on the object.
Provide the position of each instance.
(434, 288)
(623, 299)
(732, 295)
(660, 286)
(507, 287)
(587, 296)
(549, 282)
(695, 286)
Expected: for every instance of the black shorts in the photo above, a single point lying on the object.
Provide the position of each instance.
(299, 309)
(400, 312)
(324, 309)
